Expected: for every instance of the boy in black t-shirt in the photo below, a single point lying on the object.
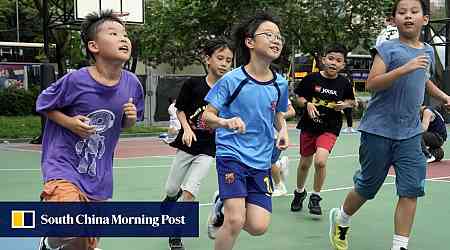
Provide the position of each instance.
(323, 95)
(195, 141)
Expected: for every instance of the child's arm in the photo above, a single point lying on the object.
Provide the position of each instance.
(426, 119)
(130, 114)
(434, 91)
(213, 121)
(379, 79)
(280, 124)
(290, 112)
(188, 134)
(76, 124)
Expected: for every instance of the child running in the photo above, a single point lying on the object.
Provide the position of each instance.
(86, 110)
(323, 95)
(399, 76)
(195, 142)
(243, 106)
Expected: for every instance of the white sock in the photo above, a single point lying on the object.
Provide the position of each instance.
(399, 241)
(343, 218)
(316, 193)
(300, 190)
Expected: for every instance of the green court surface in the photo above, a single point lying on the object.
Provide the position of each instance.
(141, 177)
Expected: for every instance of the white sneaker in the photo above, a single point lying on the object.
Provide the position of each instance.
(284, 167)
(352, 130)
(279, 190)
(431, 159)
(214, 223)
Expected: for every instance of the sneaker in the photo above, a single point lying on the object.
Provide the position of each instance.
(279, 190)
(284, 166)
(215, 219)
(297, 202)
(352, 130)
(42, 245)
(314, 204)
(176, 243)
(430, 159)
(338, 234)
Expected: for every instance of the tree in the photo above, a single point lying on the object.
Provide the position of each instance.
(177, 29)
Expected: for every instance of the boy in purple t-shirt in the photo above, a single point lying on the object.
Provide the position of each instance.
(86, 111)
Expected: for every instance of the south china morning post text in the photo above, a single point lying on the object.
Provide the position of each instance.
(99, 219)
(119, 219)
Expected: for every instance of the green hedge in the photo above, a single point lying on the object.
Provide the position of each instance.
(18, 102)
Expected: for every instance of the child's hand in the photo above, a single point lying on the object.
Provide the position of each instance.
(79, 125)
(129, 109)
(340, 105)
(282, 140)
(188, 137)
(236, 124)
(420, 62)
(312, 110)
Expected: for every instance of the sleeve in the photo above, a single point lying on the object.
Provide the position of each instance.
(139, 100)
(185, 95)
(284, 97)
(384, 52)
(303, 88)
(220, 93)
(56, 96)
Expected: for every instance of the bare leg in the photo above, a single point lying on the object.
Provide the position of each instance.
(257, 220)
(302, 170)
(235, 213)
(404, 215)
(320, 172)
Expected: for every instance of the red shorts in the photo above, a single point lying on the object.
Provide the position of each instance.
(310, 142)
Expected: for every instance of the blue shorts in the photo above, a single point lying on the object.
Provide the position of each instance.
(275, 153)
(237, 180)
(377, 154)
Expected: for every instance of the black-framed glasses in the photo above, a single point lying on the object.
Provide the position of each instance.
(272, 36)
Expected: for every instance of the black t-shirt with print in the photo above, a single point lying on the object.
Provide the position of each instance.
(324, 93)
(191, 101)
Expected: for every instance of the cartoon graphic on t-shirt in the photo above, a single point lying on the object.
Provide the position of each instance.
(92, 148)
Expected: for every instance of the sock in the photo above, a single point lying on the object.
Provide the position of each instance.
(300, 190)
(316, 193)
(343, 218)
(399, 241)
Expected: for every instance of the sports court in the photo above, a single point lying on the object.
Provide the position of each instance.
(142, 165)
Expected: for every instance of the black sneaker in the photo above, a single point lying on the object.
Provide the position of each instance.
(297, 202)
(175, 244)
(313, 205)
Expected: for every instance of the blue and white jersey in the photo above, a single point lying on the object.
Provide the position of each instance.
(256, 104)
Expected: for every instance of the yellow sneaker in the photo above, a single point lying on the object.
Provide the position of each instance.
(338, 234)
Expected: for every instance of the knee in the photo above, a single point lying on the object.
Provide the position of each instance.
(304, 165)
(319, 164)
(234, 222)
(171, 189)
(257, 229)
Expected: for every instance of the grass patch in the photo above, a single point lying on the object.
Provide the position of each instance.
(13, 127)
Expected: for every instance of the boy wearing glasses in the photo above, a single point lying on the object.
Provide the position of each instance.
(323, 95)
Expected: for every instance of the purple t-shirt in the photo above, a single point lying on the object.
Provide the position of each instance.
(87, 163)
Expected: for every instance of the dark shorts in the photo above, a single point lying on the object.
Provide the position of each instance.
(377, 154)
(237, 180)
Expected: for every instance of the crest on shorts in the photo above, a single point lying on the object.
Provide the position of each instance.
(229, 178)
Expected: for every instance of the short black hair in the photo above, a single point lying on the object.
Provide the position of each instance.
(214, 44)
(425, 9)
(336, 48)
(90, 25)
(247, 29)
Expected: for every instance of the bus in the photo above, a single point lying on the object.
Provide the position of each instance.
(20, 63)
(358, 66)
